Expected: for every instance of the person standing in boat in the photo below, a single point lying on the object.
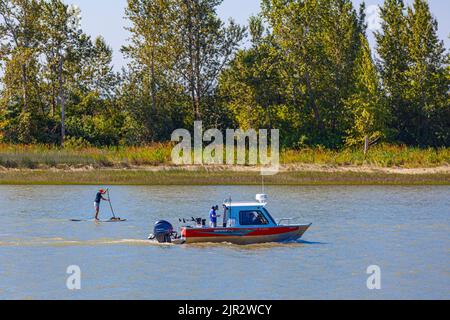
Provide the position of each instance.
(213, 217)
(98, 199)
(225, 216)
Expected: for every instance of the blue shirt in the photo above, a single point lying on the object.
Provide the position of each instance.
(213, 216)
(98, 197)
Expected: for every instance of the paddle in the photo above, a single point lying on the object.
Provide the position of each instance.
(110, 204)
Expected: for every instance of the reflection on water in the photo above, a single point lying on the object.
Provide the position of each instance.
(404, 230)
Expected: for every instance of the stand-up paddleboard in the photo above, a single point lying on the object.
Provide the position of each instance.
(113, 219)
(100, 221)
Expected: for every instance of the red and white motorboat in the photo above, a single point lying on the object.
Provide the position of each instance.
(243, 223)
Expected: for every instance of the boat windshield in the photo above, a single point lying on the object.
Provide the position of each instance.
(252, 218)
(269, 216)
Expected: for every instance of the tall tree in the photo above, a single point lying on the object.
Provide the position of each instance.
(151, 91)
(20, 29)
(413, 67)
(366, 104)
(392, 49)
(177, 51)
(102, 79)
(62, 29)
(295, 26)
(20, 33)
(152, 36)
(343, 31)
(204, 47)
(255, 87)
(318, 41)
(427, 89)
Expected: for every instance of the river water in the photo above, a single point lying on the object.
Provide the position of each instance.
(403, 230)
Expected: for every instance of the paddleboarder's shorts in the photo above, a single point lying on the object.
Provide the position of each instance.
(96, 205)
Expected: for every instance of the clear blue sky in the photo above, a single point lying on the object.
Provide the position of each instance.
(105, 17)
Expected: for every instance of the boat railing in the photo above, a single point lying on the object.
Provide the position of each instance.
(288, 220)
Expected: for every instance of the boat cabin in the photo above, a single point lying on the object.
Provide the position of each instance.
(248, 214)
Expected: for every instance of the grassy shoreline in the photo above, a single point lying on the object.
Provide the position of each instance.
(151, 165)
(44, 156)
(201, 176)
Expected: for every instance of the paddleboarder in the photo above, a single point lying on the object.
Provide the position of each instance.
(98, 198)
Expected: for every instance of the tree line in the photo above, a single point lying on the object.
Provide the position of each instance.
(307, 70)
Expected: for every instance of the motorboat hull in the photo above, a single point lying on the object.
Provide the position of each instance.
(243, 236)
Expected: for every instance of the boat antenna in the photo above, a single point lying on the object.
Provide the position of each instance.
(262, 184)
(229, 215)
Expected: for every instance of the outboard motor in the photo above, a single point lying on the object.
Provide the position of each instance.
(163, 231)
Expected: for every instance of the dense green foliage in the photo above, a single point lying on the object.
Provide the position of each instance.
(308, 71)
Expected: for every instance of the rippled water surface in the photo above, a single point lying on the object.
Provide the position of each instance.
(404, 230)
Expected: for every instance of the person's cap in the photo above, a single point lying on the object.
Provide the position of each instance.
(102, 191)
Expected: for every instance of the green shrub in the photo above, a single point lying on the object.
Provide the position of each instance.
(26, 162)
